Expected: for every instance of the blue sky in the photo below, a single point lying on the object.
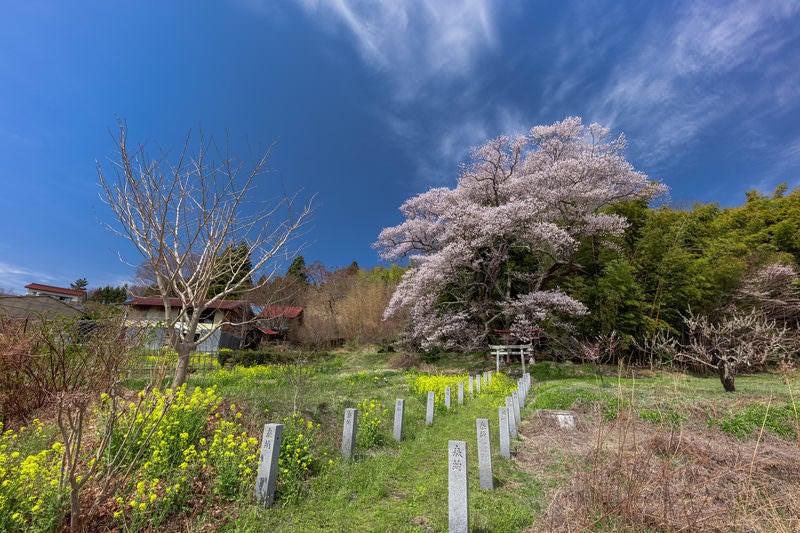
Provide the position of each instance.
(375, 101)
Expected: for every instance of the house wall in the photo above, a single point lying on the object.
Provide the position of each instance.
(56, 295)
(157, 335)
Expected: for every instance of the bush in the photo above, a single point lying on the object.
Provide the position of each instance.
(195, 445)
(30, 496)
(299, 459)
(371, 434)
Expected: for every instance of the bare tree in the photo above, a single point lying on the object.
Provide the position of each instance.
(181, 213)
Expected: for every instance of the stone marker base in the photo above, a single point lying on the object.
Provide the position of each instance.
(564, 420)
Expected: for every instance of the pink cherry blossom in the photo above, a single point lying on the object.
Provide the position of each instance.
(488, 253)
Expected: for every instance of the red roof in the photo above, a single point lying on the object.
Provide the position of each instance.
(157, 301)
(279, 311)
(57, 290)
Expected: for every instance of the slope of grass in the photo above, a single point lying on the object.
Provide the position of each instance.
(403, 486)
(652, 451)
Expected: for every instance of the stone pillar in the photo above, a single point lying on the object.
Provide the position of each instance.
(268, 464)
(399, 408)
(484, 454)
(349, 433)
(505, 440)
(512, 422)
(457, 488)
(429, 409)
(515, 401)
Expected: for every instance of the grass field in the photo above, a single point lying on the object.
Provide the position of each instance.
(652, 451)
(403, 487)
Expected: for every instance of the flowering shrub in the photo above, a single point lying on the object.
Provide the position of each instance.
(423, 383)
(371, 415)
(232, 454)
(247, 376)
(500, 387)
(195, 444)
(30, 496)
(297, 461)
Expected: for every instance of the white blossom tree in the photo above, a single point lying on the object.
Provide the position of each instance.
(773, 289)
(734, 343)
(182, 213)
(487, 254)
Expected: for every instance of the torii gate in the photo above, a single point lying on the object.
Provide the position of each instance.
(508, 350)
(524, 350)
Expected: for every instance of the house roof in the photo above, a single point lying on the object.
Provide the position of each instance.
(34, 306)
(157, 301)
(57, 290)
(280, 311)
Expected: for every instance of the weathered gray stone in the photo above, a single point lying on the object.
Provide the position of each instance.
(505, 440)
(484, 454)
(512, 421)
(399, 408)
(268, 464)
(349, 433)
(429, 408)
(478, 383)
(447, 397)
(565, 420)
(460, 393)
(457, 488)
(470, 385)
(517, 413)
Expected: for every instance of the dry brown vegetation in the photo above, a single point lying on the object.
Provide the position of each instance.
(633, 475)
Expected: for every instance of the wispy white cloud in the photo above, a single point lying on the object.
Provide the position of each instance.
(13, 278)
(680, 79)
(413, 41)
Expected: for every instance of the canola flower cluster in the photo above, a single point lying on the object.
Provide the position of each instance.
(423, 383)
(371, 416)
(247, 376)
(500, 387)
(178, 445)
(195, 440)
(297, 461)
(29, 487)
(233, 455)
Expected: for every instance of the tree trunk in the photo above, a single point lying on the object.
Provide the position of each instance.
(726, 375)
(75, 522)
(182, 367)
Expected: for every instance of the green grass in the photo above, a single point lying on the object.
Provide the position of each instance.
(403, 486)
(394, 487)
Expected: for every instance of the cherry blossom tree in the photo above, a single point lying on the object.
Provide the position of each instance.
(488, 253)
